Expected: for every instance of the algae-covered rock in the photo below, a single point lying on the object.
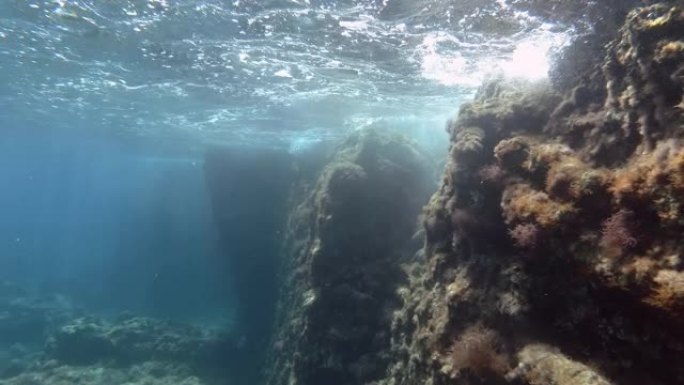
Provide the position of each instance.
(130, 339)
(559, 221)
(544, 365)
(26, 318)
(346, 242)
(81, 342)
(644, 72)
(149, 373)
(128, 350)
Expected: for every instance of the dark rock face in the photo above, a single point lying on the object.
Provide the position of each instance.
(344, 248)
(554, 241)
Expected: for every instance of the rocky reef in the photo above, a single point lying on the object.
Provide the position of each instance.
(25, 322)
(130, 339)
(551, 251)
(549, 254)
(46, 340)
(553, 244)
(346, 239)
(148, 373)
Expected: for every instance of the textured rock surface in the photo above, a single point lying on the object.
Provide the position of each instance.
(130, 350)
(26, 319)
(542, 365)
(553, 244)
(149, 373)
(345, 244)
(25, 323)
(130, 340)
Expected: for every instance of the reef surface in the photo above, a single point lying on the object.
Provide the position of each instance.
(552, 248)
(553, 244)
(46, 340)
(346, 239)
(550, 253)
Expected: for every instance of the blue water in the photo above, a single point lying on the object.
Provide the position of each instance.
(111, 222)
(109, 109)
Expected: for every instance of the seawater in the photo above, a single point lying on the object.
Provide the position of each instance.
(149, 150)
(113, 224)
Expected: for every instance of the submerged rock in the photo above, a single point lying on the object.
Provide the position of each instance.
(554, 240)
(543, 365)
(129, 350)
(26, 319)
(130, 340)
(344, 248)
(149, 373)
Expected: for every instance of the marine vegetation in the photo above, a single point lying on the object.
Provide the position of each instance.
(574, 259)
(551, 251)
(346, 240)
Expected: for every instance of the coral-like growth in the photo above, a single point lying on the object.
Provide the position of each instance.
(478, 349)
(617, 232)
(599, 174)
(544, 365)
(572, 180)
(512, 153)
(654, 180)
(464, 221)
(644, 73)
(522, 203)
(525, 235)
(668, 290)
(346, 241)
(468, 144)
(491, 174)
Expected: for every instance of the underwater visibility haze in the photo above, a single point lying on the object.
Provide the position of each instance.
(321, 192)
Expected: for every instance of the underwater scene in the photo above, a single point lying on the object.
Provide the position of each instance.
(341, 192)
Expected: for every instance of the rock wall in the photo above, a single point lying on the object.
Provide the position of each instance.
(553, 245)
(345, 242)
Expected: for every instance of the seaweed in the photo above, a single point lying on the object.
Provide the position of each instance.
(561, 221)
